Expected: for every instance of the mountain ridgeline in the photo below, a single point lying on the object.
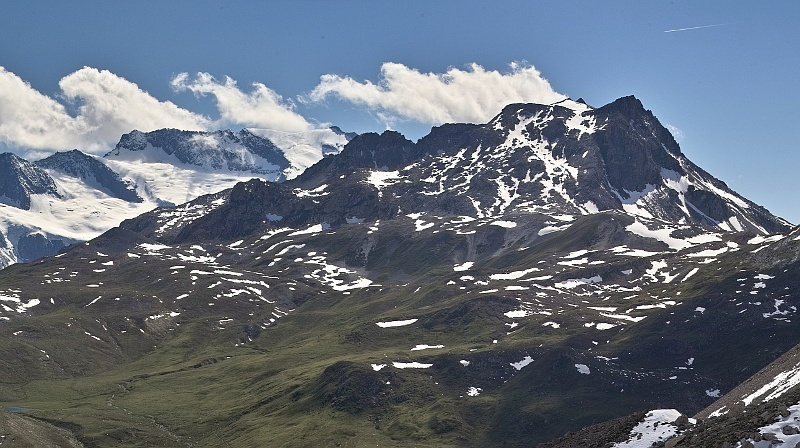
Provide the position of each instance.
(71, 197)
(529, 159)
(242, 151)
(493, 284)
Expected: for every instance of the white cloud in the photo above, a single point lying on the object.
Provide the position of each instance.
(472, 95)
(95, 107)
(107, 107)
(115, 105)
(676, 133)
(262, 108)
(30, 119)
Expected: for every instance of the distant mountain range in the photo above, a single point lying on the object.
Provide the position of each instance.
(562, 274)
(71, 196)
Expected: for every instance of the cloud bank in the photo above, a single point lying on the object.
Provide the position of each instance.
(95, 107)
(473, 95)
(107, 107)
(263, 108)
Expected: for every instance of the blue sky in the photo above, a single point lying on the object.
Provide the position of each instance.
(728, 91)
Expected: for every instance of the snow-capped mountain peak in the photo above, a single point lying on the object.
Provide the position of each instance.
(213, 151)
(92, 171)
(19, 179)
(270, 154)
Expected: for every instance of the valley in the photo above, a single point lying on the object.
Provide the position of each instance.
(488, 285)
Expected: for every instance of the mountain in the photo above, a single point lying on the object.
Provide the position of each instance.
(70, 196)
(489, 285)
(761, 411)
(91, 171)
(304, 149)
(272, 155)
(21, 180)
(566, 158)
(242, 151)
(23, 186)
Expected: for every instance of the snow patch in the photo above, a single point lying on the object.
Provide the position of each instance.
(506, 224)
(656, 427)
(396, 323)
(713, 393)
(383, 179)
(513, 275)
(521, 363)
(517, 313)
(583, 369)
(777, 428)
(474, 391)
(426, 347)
(664, 235)
(464, 266)
(410, 365)
(572, 283)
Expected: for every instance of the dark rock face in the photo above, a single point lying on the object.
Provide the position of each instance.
(19, 179)
(348, 135)
(35, 246)
(388, 151)
(209, 149)
(348, 387)
(259, 146)
(632, 149)
(91, 170)
(257, 204)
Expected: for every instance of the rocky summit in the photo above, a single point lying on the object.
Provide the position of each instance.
(561, 274)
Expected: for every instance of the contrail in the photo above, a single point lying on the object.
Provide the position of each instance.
(697, 27)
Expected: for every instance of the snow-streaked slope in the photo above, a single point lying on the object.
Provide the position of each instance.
(81, 214)
(212, 151)
(773, 382)
(164, 180)
(19, 179)
(658, 426)
(92, 171)
(569, 158)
